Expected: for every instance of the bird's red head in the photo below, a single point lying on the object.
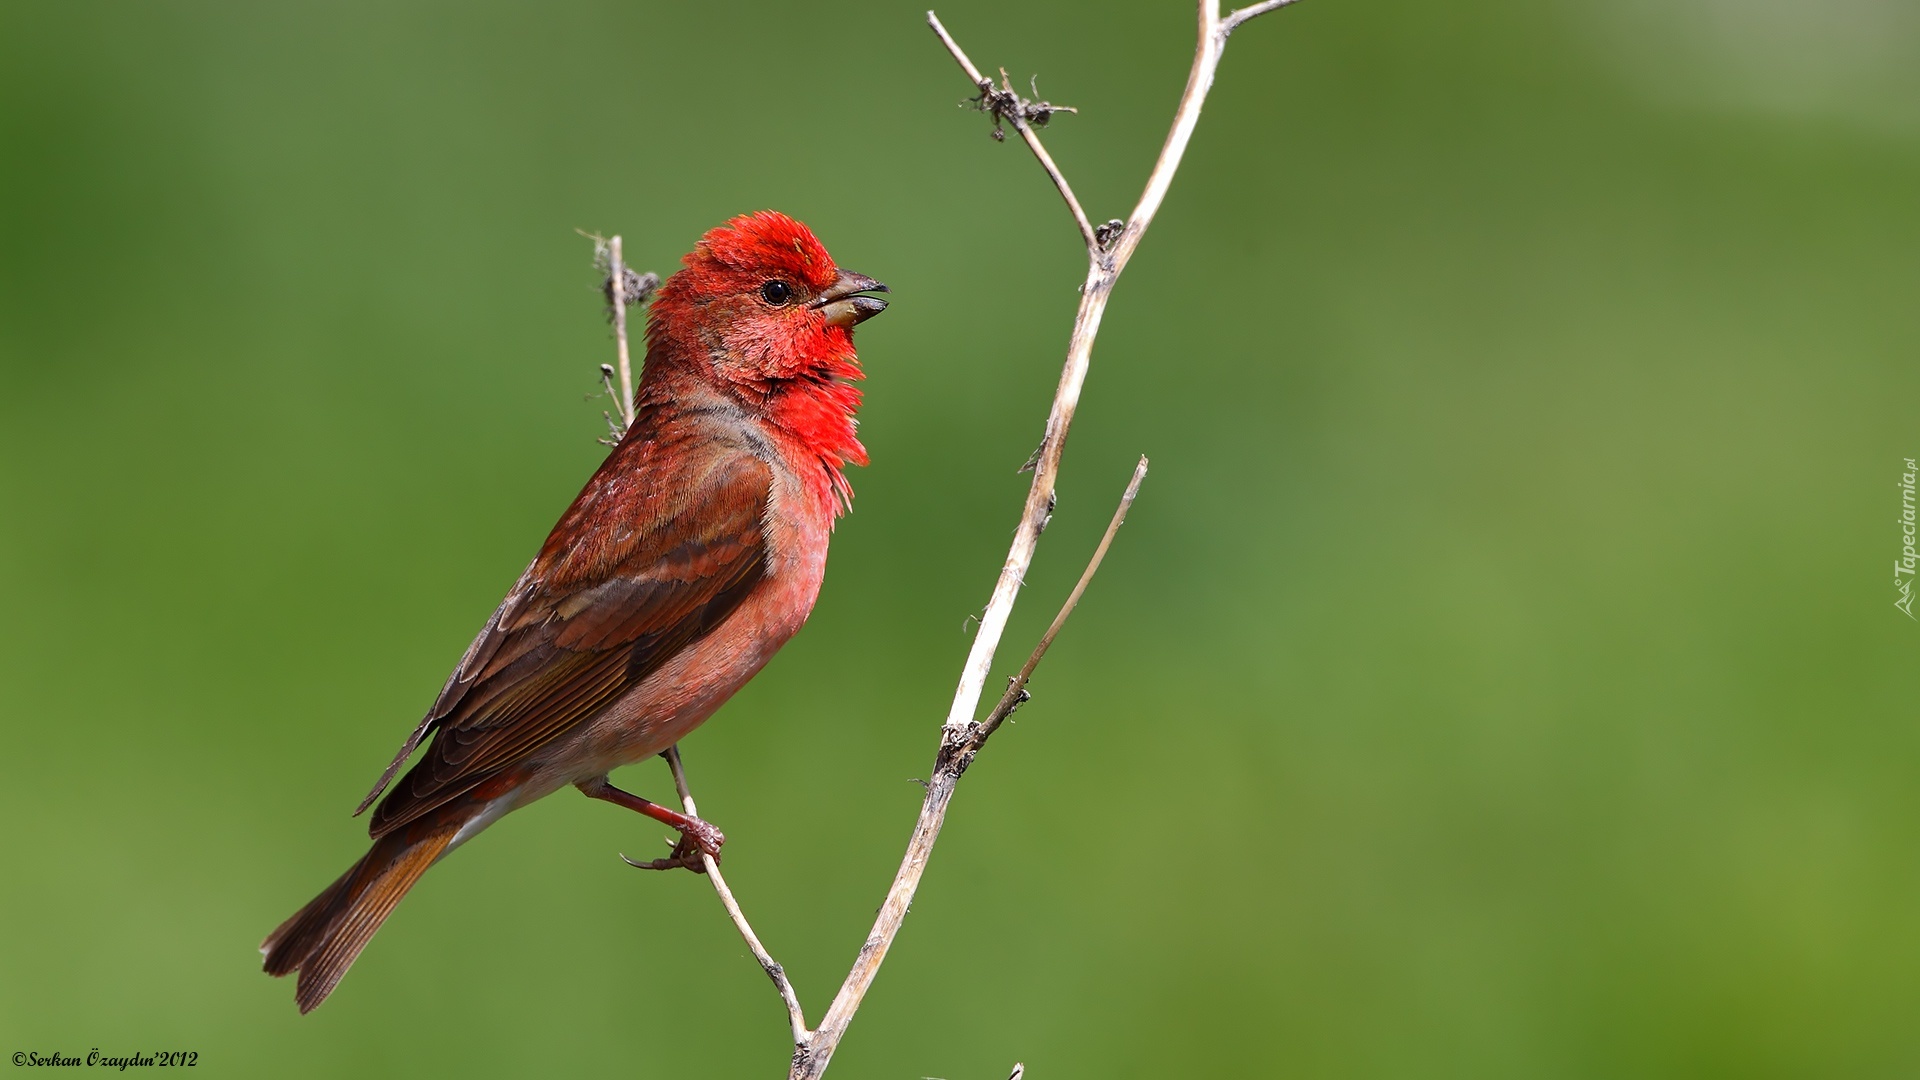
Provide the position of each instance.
(762, 308)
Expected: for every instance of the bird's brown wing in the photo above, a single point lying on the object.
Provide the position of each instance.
(645, 562)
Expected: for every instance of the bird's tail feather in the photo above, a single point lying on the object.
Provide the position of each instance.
(322, 939)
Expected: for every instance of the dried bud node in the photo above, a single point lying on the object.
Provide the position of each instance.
(1003, 104)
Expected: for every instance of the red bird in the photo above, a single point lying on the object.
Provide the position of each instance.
(693, 554)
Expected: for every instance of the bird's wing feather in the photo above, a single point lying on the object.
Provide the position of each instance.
(478, 656)
(637, 580)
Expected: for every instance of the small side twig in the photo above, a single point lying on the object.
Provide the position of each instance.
(616, 426)
(1016, 694)
(1234, 18)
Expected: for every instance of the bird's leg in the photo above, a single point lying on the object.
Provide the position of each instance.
(696, 836)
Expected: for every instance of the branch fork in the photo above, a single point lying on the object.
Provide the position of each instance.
(1109, 247)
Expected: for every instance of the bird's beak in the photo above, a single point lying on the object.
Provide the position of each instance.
(842, 303)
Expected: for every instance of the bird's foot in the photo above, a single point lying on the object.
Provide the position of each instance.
(696, 839)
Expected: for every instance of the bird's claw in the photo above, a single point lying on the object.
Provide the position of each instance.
(700, 838)
(672, 862)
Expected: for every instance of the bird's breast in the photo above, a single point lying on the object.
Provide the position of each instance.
(687, 689)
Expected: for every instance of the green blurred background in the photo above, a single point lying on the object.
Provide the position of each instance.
(1499, 676)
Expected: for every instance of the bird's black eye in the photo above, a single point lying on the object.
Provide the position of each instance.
(776, 292)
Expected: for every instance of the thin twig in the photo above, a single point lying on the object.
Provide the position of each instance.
(795, 1015)
(961, 738)
(1016, 694)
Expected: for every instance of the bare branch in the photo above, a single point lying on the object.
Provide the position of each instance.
(1017, 115)
(961, 738)
(1108, 255)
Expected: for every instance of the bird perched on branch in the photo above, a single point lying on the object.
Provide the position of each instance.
(691, 556)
